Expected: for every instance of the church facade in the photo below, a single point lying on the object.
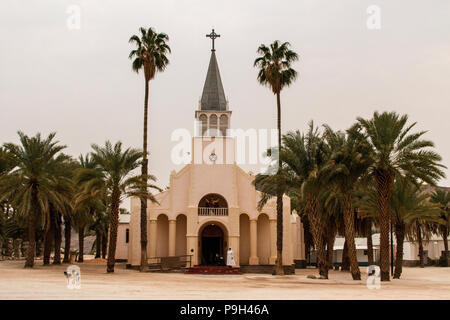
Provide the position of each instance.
(211, 204)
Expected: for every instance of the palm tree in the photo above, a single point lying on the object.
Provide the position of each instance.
(100, 227)
(86, 203)
(442, 198)
(31, 184)
(408, 207)
(348, 163)
(275, 71)
(396, 151)
(150, 55)
(113, 172)
(304, 157)
(421, 230)
(68, 222)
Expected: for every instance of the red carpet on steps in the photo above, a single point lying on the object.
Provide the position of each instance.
(212, 270)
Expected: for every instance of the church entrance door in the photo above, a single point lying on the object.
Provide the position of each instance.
(212, 245)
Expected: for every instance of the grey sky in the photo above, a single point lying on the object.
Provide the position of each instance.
(79, 83)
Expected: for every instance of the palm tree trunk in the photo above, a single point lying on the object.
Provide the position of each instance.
(400, 236)
(29, 262)
(48, 242)
(113, 225)
(58, 239)
(67, 238)
(279, 263)
(349, 230)
(308, 236)
(144, 262)
(419, 240)
(370, 259)
(331, 236)
(384, 185)
(317, 227)
(345, 264)
(445, 239)
(81, 243)
(98, 243)
(104, 245)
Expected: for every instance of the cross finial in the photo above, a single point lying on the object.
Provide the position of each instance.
(213, 36)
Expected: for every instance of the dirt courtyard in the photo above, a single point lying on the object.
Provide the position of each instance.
(50, 283)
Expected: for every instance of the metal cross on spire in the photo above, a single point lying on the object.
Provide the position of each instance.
(213, 36)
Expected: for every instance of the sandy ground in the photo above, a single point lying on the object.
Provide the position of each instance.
(50, 283)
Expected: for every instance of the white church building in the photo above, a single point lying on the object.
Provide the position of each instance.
(211, 204)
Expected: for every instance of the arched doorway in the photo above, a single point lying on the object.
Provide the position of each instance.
(212, 244)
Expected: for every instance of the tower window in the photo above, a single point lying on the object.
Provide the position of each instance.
(127, 235)
(204, 123)
(213, 125)
(223, 124)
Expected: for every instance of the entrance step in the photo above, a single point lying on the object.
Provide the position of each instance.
(212, 270)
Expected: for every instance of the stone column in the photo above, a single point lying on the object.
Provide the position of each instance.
(273, 241)
(153, 230)
(192, 248)
(172, 236)
(253, 260)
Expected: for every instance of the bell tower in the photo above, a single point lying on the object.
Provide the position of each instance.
(213, 115)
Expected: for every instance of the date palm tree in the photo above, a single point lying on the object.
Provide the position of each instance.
(304, 156)
(442, 198)
(276, 72)
(395, 150)
(30, 186)
(409, 209)
(348, 162)
(113, 172)
(150, 55)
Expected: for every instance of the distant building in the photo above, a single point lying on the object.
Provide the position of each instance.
(123, 237)
(361, 251)
(432, 250)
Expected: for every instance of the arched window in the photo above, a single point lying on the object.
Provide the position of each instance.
(213, 125)
(223, 124)
(204, 123)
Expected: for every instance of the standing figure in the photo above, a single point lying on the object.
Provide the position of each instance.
(230, 258)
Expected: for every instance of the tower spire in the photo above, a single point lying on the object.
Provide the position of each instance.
(213, 96)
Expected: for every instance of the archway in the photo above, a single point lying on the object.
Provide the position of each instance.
(162, 236)
(180, 246)
(263, 239)
(212, 244)
(244, 239)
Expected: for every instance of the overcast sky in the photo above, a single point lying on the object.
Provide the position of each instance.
(79, 83)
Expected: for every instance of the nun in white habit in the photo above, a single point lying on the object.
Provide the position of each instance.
(230, 258)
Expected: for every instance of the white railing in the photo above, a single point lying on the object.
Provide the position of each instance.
(204, 211)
